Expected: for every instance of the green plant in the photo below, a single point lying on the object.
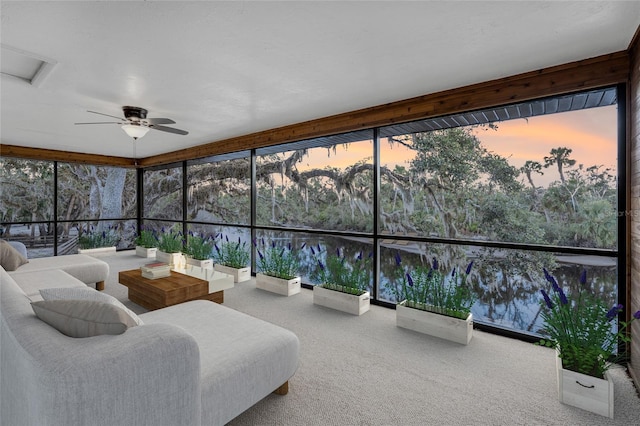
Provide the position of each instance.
(96, 239)
(340, 274)
(147, 238)
(277, 261)
(231, 254)
(582, 328)
(170, 241)
(430, 289)
(198, 246)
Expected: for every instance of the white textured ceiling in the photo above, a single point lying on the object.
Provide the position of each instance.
(224, 69)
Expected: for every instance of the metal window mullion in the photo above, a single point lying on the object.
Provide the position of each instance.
(55, 208)
(253, 220)
(139, 198)
(623, 207)
(376, 210)
(184, 199)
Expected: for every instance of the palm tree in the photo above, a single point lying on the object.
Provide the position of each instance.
(560, 157)
(531, 167)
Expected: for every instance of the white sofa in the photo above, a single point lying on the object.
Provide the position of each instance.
(197, 363)
(87, 269)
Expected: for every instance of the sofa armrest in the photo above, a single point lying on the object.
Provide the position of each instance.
(148, 375)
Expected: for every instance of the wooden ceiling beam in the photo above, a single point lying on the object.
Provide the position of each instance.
(64, 156)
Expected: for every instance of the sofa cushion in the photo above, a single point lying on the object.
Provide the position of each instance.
(83, 318)
(10, 258)
(85, 293)
(87, 269)
(32, 282)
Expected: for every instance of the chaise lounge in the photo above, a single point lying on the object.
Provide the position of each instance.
(197, 363)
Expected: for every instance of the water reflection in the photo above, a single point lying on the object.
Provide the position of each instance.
(507, 283)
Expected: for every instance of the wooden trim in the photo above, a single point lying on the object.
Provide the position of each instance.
(634, 40)
(633, 196)
(65, 156)
(572, 77)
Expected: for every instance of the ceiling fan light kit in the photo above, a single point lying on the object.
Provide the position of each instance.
(136, 124)
(136, 131)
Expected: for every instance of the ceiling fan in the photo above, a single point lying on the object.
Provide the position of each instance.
(136, 124)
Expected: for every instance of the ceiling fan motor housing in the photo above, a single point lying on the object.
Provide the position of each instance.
(134, 113)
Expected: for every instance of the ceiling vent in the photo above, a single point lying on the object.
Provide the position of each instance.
(25, 66)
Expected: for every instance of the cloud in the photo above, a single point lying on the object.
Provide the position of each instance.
(591, 134)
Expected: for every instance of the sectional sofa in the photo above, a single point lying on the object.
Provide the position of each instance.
(197, 363)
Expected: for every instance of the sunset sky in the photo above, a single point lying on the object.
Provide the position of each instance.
(590, 133)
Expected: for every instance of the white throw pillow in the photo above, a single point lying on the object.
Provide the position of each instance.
(83, 318)
(86, 293)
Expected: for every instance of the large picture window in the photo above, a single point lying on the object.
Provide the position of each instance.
(163, 193)
(219, 189)
(324, 183)
(546, 179)
(26, 204)
(93, 199)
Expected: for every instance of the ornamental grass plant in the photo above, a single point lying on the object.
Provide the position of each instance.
(432, 290)
(276, 260)
(146, 238)
(582, 328)
(338, 273)
(96, 239)
(232, 254)
(170, 241)
(198, 246)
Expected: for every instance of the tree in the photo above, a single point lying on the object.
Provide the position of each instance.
(94, 193)
(163, 194)
(560, 157)
(529, 168)
(596, 225)
(27, 194)
(454, 169)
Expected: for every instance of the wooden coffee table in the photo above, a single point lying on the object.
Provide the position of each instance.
(167, 291)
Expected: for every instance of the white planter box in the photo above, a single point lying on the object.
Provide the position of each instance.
(278, 285)
(146, 252)
(433, 324)
(345, 302)
(175, 260)
(206, 264)
(98, 251)
(586, 392)
(239, 275)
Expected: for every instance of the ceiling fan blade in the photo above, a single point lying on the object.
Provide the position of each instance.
(103, 122)
(159, 121)
(169, 129)
(112, 116)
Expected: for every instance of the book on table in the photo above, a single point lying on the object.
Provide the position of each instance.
(155, 266)
(155, 270)
(156, 274)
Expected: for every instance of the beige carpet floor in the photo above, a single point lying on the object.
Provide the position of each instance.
(366, 371)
